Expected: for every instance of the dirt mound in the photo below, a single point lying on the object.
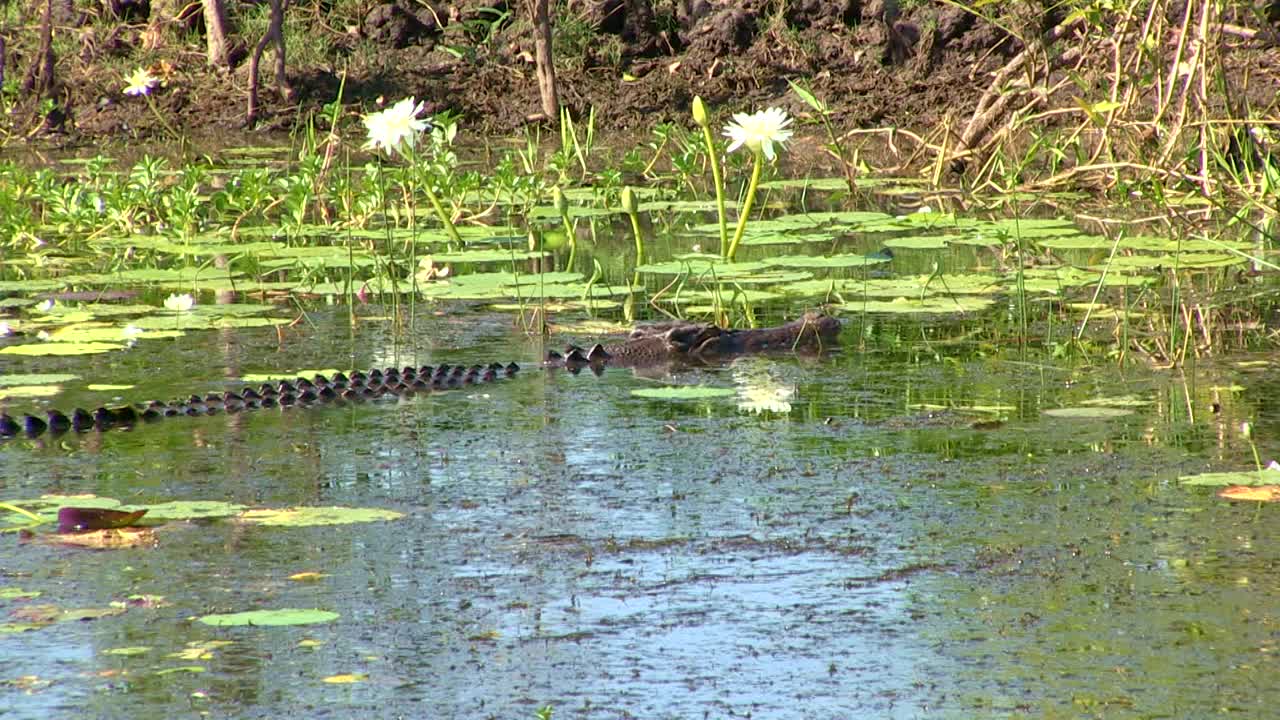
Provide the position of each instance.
(637, 62)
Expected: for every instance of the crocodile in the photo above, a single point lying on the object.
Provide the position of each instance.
(664, 344)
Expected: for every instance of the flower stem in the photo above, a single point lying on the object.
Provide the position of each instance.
(444, 217)
(719, 184)
(756, 167)
(163, 123)
(635, 230)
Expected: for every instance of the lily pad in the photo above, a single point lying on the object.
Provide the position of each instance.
(288, 616)
(956, 304)
(1251, 478)
(35, 379)
(309, 516)
(832, 261)
(1090, 412)
(683, 392)
(60, 348)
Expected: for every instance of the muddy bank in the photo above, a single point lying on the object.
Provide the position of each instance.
(637, 62)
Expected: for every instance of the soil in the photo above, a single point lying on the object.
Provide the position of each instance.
(636, 62)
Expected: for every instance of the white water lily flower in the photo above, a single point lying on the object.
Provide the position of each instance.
(46, 306)
(131, 331)
(5, 329)
(179, 303)
(397, 124)
(759, 131)
(140, 82)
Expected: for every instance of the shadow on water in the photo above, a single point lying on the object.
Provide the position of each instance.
(881, 548)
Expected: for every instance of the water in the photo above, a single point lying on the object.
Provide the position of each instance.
(568, 544)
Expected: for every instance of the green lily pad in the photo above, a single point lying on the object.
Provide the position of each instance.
(30, 391)
(187, 509)
(309, 516)
(943, 304)
(103, 387)
(17, 593)
(833, 261)
(288, 616)
(60, 348)
(35, 379)
(683, 392)
(1087, 412)
(487, 256)
(697, 264)
(1238, 477)
(919, 242)
(128, 651)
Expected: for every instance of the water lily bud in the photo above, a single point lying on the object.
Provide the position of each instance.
(558, 199)
(700, 112)
(628, 201)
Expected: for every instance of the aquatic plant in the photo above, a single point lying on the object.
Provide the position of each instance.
(395, 131)
(758, 132)
(699, 111)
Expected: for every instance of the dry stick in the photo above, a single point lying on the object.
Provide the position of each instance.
(274, 33)
(1174, 132)
(994, 100)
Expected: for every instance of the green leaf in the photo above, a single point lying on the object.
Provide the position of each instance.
(683, 392)
(287, 616)
(309, 516)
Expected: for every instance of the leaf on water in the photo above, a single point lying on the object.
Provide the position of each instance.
(1118, 401)
(1169, 262)
(114, 539)
(17, 593)
(346, 678)
(30, 391)
(188, 510)
(1251, 478)
(288, 616)
(487, 256)
(102, 387)
(683, 392)
(60, 349)
(559, 306)
(80, 519)
(309, 516)
(128, 651)
(956, 304)
(1254, 493)
(712, 266)
(833, 261)
(309, 576)
(183, 669)
(1087, 412)
(920, 242)
(31, 286)
(275, 377)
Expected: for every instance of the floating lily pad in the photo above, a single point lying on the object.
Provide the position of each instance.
(833, 261)
(1251, 478)
(683, 392)
(953, 304)
(697, 264)
(345, 678)
(60, 348)
(188, 509)
(487, 256)
(17, 593)
(128, 651)
(105, 387)
(309, 516)
(919, 242)
(271, 618)
(30, 391)
(35, 379)
(1088, 412)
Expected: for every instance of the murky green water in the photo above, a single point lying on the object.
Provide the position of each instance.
(571, 545)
